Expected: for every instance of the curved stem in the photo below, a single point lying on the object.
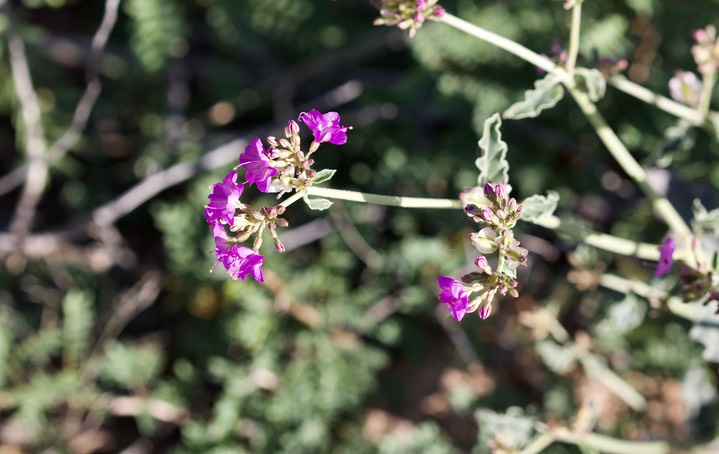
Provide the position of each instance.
(605, 133)
(629, 164)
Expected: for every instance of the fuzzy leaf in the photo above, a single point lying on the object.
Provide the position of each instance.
(546, 94)
(323, 175)
(557, 357)
(539, 206)
(318, 204)
(77, 325)
(592, 81)
(492, 162)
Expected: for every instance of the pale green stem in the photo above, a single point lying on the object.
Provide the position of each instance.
(629, 164)
(609, 243)
(292, 199)
(669, 106)
(539, 443)
(674, 303)
(504, 43)
(574, 37)
(708, 82)
(395, 201)
(599, 240)
(601, 443)
(605, 133)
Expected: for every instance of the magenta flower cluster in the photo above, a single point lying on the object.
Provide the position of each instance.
(492, 208)
(282, 167)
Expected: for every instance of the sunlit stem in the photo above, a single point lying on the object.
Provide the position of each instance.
(599, 240)
(574, 36)
(605, 133)
(709, 80)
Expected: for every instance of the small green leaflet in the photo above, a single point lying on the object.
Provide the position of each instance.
(323, 175)
(592, 81)
(317, 204)
(492, 162)
(546, 94)
(539, 206)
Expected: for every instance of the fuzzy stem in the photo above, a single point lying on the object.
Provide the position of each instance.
(574, 37)
(708, 82)
(292, 199)
(605, 133)
(599, 240)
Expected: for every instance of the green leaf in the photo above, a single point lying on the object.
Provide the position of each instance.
(546, 94)
(592, 81)
(318, 204)
(492, 162)
(557, 357)
(323, 175)
(77, 325)
(539, 206)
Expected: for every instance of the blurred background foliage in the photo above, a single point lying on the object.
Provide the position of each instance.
(344, 349)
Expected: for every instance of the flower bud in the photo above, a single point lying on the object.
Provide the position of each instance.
(485, 309)
(284, 143)
(500, 190)
(292, 128)
(489, 191)
(272, 141)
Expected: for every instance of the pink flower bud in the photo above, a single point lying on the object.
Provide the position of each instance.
(500, 190)
(481, 262)
(489, 191)
(485, 309)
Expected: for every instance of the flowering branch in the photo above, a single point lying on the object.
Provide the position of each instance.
(605, 133)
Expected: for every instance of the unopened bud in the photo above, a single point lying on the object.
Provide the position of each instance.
(292, 128)
(485, 309)
(272, 141)
(500, 190)
(284, 143)
(489, 191)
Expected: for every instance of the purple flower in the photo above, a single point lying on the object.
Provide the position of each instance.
(666, 251)
(325, 127)
(225, 198)
(258, 165)
(238, 260)
(454, 295)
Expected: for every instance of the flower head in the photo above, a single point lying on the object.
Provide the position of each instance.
(454, 295)
(706, 50)
(325, 127)
(239, 261)
(666, 252)
(685, 87)
(258, 165)
(225, 198)
(408, 14)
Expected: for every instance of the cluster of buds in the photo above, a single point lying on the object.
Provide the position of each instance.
(696, 283)
(408, 14)
(706, 50)
(281, 168)
(497, 213)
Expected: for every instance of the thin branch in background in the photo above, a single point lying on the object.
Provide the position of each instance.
(353, 239)
(83, 109)
(32, 121)
(128, 305)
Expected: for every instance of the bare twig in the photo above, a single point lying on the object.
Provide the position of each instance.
(32, 121)
(82, 110)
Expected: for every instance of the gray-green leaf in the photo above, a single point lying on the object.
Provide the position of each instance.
(492, 162)
(323, 175)
(77, 326)
(539, 206)
(318, 204)
(546, 94)
(592, 81)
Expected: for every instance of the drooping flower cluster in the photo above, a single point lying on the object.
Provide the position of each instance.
(282, 168)
(706, 50)
(408, 14)
(685, 87)
(492, 208)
